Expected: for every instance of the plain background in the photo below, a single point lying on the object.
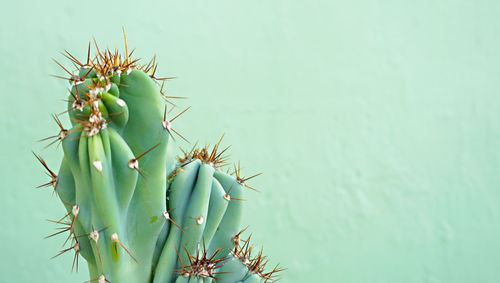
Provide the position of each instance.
(375, 124)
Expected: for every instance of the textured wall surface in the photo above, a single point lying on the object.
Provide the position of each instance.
(375, 124)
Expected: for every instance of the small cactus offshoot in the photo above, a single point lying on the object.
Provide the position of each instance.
(134, 210)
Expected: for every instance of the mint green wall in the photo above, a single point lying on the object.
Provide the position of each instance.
(376, 124)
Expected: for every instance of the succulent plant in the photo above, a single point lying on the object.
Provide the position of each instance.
(134, 210)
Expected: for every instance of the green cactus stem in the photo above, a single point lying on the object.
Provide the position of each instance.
(134, 211)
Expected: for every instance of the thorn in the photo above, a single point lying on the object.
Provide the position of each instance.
(167, 124)
(200, 265)
(134, 163)
(166, 214)
(199, 220)
(114, 238)
(88, 56)
(236, 238)
(72, 58)
(226, 196)
(74, 78)
(241, 180)
(147, 151)
(94, 236)
(63, 133)
(49, 172)
(180, 114)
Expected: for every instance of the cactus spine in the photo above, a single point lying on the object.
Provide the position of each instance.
(135, 211)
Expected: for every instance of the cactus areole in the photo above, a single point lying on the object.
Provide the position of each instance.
(134, 211)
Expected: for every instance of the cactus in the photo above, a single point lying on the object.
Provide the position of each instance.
(134, 211)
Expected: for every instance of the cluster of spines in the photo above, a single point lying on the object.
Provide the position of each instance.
(53, 176)
(242, 180)
(255, 264)
(65, 225)
(214, 157)
(68, 226)
(104, 66)
(167, 123)
(201, 265)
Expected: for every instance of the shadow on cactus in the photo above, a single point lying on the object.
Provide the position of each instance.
(135, 211)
